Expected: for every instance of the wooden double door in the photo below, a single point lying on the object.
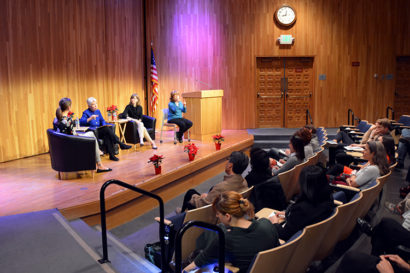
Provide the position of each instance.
(284, 91)
(402, 91)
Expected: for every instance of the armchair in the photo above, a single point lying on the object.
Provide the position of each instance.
(131, 132)
(71, 153)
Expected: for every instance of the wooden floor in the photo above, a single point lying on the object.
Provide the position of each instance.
(30, 184)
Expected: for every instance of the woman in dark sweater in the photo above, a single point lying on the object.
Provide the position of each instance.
(314, 204)
(133, 111)
(261, 170)
(243, 238)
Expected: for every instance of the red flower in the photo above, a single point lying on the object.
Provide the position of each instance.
(70, 114)
(191, 149)
(112, 109)
(156, 160)
(218, 138)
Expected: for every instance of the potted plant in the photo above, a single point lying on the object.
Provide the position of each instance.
(112, 112)
(156, 160)
(191, 149)
(218, 141)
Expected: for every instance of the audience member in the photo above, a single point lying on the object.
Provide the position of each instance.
(93, 118)
(404, 148)
(296, 156)
(233, 181)
(315, 140)
(314, 204)
(133, 112)
(260, 165)
(243, 238)
(376, 166)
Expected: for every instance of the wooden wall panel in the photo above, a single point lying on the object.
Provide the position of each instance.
(53, 49)
(217, 42)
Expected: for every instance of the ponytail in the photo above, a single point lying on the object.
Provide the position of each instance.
(234, 204)
(59, 114)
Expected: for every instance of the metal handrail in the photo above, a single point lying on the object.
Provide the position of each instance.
(308, 116)
(164, 265)
(387, 112)
(184, 228)
(350, 113)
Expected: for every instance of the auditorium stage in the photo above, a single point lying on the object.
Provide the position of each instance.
(30, 184)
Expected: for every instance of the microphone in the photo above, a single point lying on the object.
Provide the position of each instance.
(204, 83)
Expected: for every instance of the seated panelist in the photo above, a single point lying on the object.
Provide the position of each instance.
(93, 118)
(133, 112)
(63, 123)
(175, 110)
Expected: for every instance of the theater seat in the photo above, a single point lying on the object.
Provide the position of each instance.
(71, 153)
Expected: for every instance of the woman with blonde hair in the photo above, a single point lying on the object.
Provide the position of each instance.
(175, 110)
(243, 237)
(133, 111)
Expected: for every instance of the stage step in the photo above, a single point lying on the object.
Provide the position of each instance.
(45, 242)
(266, 138)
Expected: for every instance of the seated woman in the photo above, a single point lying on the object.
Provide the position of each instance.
(243, 238)
(376, 166)
(175, 110)
(297, 155)
(389, 147)
(314, 142)
(133, 111)
(314, 204)
(65, 124)
(93, 118)
(261, 170)
(306, 136)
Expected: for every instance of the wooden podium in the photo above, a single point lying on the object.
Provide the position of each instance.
(204, 109)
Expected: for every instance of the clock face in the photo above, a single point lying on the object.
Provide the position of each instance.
(285, 15)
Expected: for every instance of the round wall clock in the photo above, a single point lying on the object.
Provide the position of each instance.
(285, 15)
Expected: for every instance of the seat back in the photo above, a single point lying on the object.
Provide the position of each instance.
(331, 237)
(366, 195)
(166, 124)
(372, 193)
(308, 245)
(285, 179)
(205, 214)
(70, 153)
(295, 187)
(362, 126)
(275, 259)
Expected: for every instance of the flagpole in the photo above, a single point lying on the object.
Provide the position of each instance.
(145, 59)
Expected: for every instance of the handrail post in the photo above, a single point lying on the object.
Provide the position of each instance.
(164, 265)
(392, 112)
(178, 240)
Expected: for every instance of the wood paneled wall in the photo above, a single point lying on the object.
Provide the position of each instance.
(52, 49)
(206, 44)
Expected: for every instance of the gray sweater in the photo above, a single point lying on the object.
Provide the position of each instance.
(367, 174)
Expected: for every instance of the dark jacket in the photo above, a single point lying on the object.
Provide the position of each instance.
(303, 213)
(255, 177)
(268, 194)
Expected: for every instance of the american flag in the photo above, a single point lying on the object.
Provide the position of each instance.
(154, 84)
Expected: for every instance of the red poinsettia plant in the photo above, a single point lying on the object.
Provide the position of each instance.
(112, 109)
(218, 138)
(156, 160)
(191, 149)
(70, 114)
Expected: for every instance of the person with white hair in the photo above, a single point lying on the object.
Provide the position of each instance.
(93, 118)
